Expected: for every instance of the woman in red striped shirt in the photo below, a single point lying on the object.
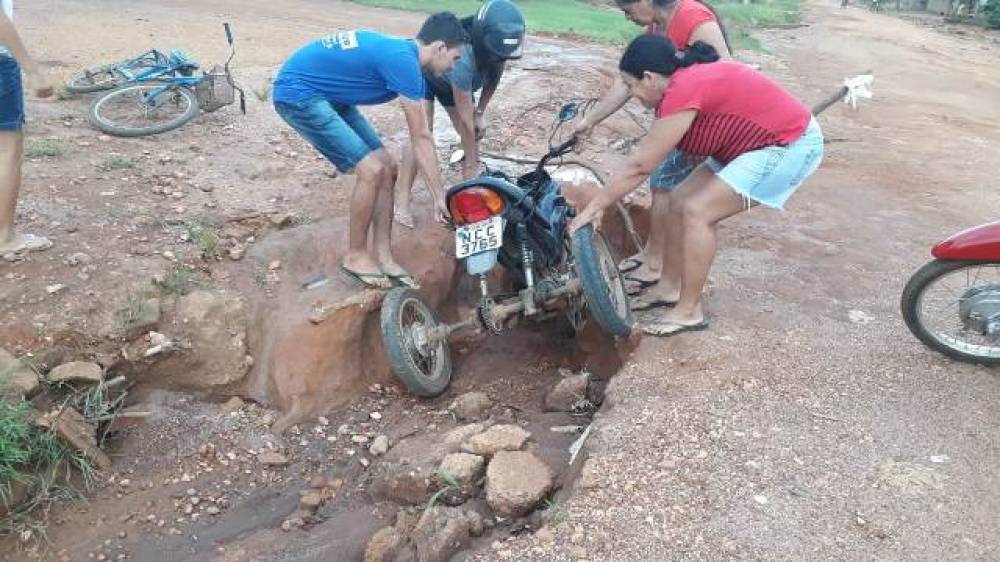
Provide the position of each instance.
(682, 22)
(759, 144)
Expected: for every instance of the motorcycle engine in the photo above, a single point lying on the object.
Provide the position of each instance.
(979, 309)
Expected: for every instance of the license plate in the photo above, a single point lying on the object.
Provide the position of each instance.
(479, 237)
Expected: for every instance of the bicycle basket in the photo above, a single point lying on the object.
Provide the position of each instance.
(215, 90)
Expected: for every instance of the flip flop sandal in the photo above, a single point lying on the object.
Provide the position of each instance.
(668, 329)
(629, 265)
(405, 279)
(635, 286)
(373, 280)
(640, 304)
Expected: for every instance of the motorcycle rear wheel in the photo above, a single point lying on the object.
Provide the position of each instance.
(425, 368)
(916, 309)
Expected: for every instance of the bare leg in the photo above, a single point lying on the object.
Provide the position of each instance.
(702, 211)
(371, 174)
(407, 177)
(669, 287)
(11, 153)
(652, 255)
(382, 222)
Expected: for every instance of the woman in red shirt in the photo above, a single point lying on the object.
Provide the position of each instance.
(683, 22)
(758, 144)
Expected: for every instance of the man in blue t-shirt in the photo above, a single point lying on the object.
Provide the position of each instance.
(317, 92)
(497, 34)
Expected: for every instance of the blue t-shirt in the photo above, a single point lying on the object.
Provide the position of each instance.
(353, 68)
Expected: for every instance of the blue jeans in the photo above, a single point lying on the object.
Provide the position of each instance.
(674, 169)
(338, 131)
(11, 95)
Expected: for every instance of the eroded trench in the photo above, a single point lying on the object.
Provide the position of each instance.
(360, 458)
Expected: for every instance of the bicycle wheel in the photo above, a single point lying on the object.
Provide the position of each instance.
(148, 108)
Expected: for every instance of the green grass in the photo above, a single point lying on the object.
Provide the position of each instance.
(205, 236)
(181, 280)
(35, 458)
(117, 163)
(608, 24)
(43, 148)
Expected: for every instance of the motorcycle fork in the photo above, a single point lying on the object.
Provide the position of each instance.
(527, 262)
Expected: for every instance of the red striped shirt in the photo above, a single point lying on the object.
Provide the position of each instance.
(739, 110)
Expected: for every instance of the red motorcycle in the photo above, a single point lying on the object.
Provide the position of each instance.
(952, 304)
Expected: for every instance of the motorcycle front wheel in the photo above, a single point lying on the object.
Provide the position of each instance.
(603, 288)
(423, 366)
(953, 307)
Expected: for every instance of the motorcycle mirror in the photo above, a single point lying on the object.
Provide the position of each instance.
(229, 33)
(567, 112)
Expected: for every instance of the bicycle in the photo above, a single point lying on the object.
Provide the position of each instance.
(160, 102)
(148, 66)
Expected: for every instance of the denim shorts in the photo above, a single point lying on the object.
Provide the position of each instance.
(674, 169)
(771, 175)
(11, 95)
(338, 131)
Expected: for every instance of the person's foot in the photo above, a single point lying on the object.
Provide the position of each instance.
(673, 322)
(365, 270)
(396, 273)
(24, 243)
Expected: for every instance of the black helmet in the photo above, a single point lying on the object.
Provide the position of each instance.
(498, 29)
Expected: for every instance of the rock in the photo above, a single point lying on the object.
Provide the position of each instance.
(515, 482)
(53, 289)
(406, 473)
(462, 433)
(16, 377)
(495, 439)
(380, 446)
(77, 371)
(232, 405)
(568, 393)
(463, 467)
(79, 258)
(70, 426)
(281, 220)
(143, 319)
(471, 406)
(385, 545)
(310, 501)
(443, 531)
(212, 325)
(272, 458)
(236, 252)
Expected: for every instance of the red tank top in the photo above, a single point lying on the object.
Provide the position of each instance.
(689, 15)
(739, 110)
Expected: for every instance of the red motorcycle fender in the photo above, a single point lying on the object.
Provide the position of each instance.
(981, 243)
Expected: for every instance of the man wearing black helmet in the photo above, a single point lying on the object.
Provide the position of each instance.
(497, 34)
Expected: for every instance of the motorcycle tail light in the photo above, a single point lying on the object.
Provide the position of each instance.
(474, 205)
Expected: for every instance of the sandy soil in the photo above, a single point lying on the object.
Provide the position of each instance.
(787, 431)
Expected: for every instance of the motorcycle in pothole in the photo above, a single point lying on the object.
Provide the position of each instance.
(521, 224)
(952, 304)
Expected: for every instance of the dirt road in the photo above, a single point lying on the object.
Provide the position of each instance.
(788, 431)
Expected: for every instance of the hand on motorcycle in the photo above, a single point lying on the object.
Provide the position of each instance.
(583, 130)
(591, 214)
(441, 213)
